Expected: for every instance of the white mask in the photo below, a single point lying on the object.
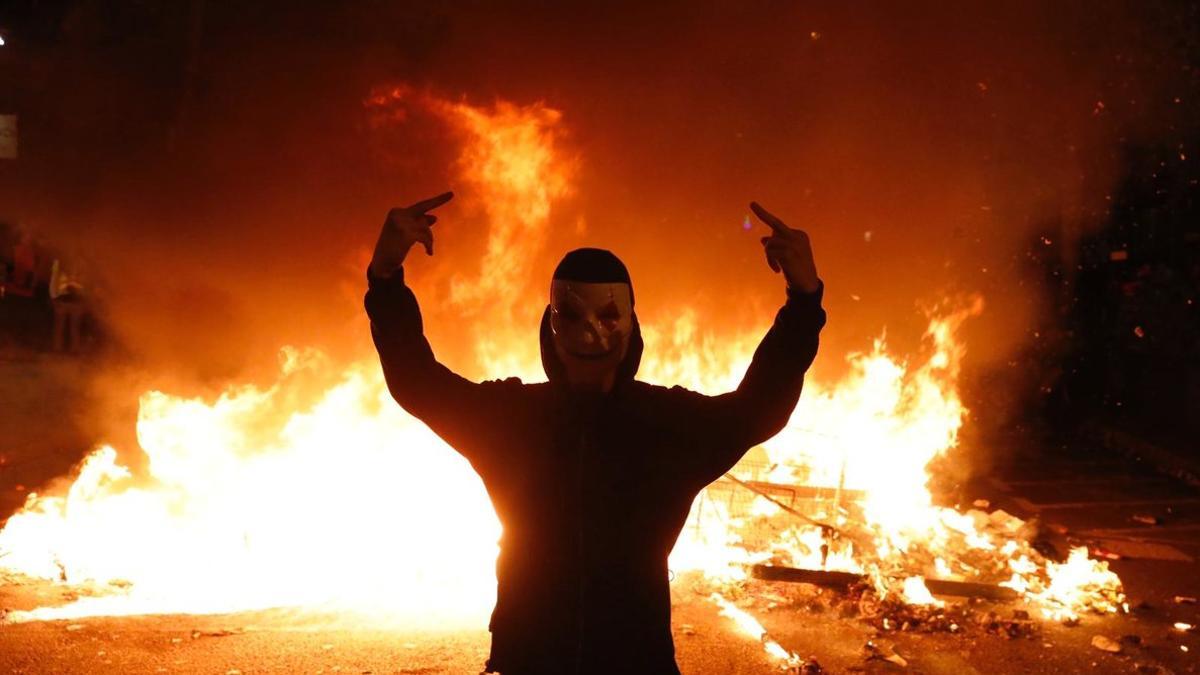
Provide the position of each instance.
(591, 324)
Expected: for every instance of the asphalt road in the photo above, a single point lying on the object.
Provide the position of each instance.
(706, 643)
(262, 643)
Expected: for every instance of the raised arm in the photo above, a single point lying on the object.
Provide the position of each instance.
(462, 412)
(724, 427)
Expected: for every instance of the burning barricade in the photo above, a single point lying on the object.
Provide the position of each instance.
(347, 504)
(840, 500)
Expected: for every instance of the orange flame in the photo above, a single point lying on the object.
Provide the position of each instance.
(350, 504)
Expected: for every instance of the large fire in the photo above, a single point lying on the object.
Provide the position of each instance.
(252, 501)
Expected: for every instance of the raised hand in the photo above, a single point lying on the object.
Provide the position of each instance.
(789, 251)
(402, 228)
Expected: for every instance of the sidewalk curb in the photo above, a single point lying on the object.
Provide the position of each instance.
(1165, 461)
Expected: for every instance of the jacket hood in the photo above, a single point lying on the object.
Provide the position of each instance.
(556, 371)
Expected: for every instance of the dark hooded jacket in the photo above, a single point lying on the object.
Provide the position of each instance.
(591, 490)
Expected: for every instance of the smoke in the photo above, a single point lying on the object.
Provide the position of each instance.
(217, 165)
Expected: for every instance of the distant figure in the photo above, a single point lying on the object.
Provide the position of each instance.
(592, 474)
(66, 296)
(22, 281)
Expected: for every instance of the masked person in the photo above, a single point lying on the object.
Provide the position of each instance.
(592, 474)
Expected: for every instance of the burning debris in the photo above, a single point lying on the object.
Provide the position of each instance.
(238, 487)
(884, 651)
(209, 497)
(880, 542)
(818, 512)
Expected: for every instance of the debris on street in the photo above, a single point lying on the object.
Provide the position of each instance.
(1105, 644)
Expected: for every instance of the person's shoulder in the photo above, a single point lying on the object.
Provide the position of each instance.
(515, 385)
(661, 392)
(506, 383)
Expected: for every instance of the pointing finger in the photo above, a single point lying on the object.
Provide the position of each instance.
(766, 216)
(431, 203)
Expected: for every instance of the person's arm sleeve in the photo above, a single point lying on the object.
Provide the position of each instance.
(722, 428)
(462, 412)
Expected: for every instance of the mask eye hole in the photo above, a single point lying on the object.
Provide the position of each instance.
(609, 316)
(568, 313)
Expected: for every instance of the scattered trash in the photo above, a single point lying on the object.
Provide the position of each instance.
(687, 629)
(1105, 645)
(1145, 519)
(75, 626)
(810, 667)
(1179, 625)
(1185, 600)
(884, 651)
(1019, 626)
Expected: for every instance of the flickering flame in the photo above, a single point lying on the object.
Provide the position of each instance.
(242, 512)
(511, 162)
(875, 434)
(917, 593)
(750, 626)
(1063, 588)
(346, 503)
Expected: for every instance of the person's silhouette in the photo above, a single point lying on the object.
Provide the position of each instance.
(592, 473)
